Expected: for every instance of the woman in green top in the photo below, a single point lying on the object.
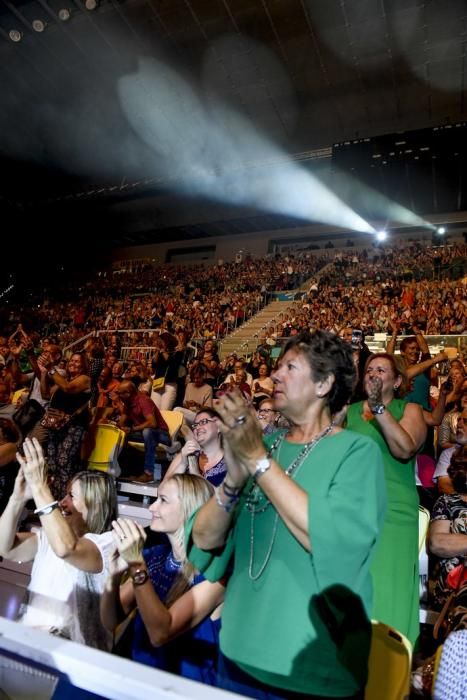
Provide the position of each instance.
(399, 429)
(301, 513)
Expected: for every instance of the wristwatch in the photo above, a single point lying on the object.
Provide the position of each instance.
(378, 409)
(139, 577)
(262, 465)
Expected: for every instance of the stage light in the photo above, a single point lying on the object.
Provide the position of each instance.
(15, 35)
(38, 25)
(91, 4)
(441, 230)
(381, 235)
(64, 14)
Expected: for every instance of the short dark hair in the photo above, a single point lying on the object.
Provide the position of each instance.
(457, 469)
(9, 430)
(407, 341)
(327, 354)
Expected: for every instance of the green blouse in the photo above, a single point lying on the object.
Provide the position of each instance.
(303, 625)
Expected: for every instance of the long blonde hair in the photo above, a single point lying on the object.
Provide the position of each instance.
(193, 492)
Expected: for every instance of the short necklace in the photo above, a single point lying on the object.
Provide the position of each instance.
(253, 499)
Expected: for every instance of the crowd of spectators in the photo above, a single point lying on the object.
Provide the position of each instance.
(344, 292)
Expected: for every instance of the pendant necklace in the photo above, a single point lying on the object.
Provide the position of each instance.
(256, 502)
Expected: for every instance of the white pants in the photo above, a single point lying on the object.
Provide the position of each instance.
(165, 398)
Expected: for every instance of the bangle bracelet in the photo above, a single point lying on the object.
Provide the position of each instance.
(230, 491)
(45, 510)
(227, 507)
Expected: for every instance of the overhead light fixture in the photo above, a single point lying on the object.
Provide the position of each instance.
(64, 14)
(38, 25)
(15, 35)
(441, 230)
(381, 235)
(90, 4)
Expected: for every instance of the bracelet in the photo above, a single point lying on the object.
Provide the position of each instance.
(45, 510)
(231, 491)
(231, 503)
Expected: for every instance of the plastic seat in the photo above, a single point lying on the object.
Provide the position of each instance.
(109, 442)
(423, 524)
(389, 664)
(19, 396)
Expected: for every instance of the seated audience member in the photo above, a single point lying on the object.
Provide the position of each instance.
(106, 385)
(9, 441)
(262, 386)
(239, 375)
(142, 421)
(448, 428)
(70, 550)
(267, 416)
(448, 537)
(441, 476)
(6, 407)
(177, 622)
(203, 456)
(197, 394)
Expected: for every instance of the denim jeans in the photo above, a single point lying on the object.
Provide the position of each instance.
(151, 437)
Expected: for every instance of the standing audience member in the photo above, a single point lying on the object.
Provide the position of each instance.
(70, 396)
(197, 394)
(9, 441)
(294, 621)
(166, 364)
(399, 430)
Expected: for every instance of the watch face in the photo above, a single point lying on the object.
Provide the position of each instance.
(139, 577)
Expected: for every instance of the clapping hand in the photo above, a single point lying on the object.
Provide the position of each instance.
(21, 490)
(33, 463)
(117, 565)
(129, 538)
(243, 436)
(375, 395)
(189, 448)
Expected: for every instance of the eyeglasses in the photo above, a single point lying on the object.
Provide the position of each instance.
(203, 421)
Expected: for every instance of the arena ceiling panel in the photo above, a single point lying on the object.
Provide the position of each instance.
(108, 110)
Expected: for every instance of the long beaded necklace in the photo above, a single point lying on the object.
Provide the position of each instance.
(256, 502)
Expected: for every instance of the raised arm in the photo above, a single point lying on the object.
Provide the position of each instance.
(437, 414)
(405, 438)
(78, 551)
(14, 545)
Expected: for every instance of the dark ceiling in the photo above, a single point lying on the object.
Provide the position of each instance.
(129, 114)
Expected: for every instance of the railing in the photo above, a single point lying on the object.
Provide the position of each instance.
(67, 350)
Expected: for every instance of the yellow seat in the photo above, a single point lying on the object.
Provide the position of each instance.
(109, 442)
(389, 664)
(19, 396)
(423, 523)
(174, 420)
